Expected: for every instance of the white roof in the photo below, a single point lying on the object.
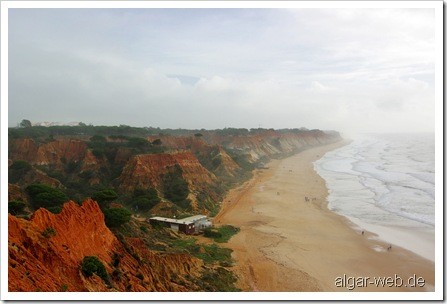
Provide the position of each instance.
(187, 221)
(170, 220)
(195, 218)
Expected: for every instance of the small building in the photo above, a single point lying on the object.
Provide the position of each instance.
(189, 225)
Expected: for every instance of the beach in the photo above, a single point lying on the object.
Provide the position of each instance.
(290, 241)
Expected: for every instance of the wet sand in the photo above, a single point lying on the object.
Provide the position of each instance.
(289, 244)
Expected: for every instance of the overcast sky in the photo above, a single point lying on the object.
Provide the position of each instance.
(352, 70)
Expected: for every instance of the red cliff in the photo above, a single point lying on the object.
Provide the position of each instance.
(45, 254)
(214, 157)
(147, 170)
(52, 153)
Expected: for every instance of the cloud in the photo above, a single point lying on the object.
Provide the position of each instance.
(341, 69)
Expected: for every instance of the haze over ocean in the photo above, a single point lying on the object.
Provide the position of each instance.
(385, 183)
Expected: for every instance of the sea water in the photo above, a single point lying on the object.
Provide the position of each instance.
(385, 183)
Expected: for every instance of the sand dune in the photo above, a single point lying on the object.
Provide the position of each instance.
(289, 244)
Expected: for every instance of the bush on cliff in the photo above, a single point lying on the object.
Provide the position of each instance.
(143, 200)
(17, 170)
(143, 203)
(175, 188)
(115, 217)
(46, 196)
(16, 207)
(92, 265)
(221, 234)
(104, 197)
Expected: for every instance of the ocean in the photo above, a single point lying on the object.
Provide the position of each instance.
(385, 184)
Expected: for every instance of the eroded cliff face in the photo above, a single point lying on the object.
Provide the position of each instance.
(45, 254)
(212, 157)
(53, 153)
(225, 165)
(144, 171)
(271, 143)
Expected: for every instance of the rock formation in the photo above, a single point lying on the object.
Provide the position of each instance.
(144, 171)
(53, 153)
(45, 254)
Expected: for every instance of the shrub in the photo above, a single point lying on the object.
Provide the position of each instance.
(16, 207)
(72, 166)
(157, 142)
(117, 274)
(17, 170)
(226, 232)
(25, 123)
(49, 232)
(98, 138)
(104, 196)
(214, 253)
(143, 203)
(46, 196)
(219, 279)
(115, 217)
(144, 199)
(116, 260)
(55, 209)
(175, 188)
(87, 174)
(212, 233)
(92, 265)
(137, 142)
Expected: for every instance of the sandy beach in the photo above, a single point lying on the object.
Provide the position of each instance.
(288, 243)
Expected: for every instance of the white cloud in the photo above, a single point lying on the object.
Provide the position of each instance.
(328, 69)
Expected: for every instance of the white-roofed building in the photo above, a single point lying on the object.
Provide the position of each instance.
(189, 225)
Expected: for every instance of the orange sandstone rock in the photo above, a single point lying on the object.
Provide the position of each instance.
(43, 261)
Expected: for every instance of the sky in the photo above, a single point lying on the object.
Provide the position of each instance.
(350, 70)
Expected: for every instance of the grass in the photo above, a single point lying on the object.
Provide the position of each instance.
(210, 254)
(186, 245)
(221, 234)
(219, 279)
(213, 253)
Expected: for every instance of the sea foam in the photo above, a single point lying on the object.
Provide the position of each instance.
(388, 181)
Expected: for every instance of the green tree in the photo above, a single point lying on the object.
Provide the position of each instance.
(144, 199)
(46, 196)
(25, 123)
(92, 265)
(137, 142)
(104, 197)
(115, 217)
(17, 170)
(143, 203)
(157, 142)
(16, 207)
(98, 139)
(175, 188)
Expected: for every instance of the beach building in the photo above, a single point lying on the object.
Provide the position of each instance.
(189, 225)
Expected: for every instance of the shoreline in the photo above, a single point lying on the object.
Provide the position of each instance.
(413, 235)
(289, 244)
(420, 241)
